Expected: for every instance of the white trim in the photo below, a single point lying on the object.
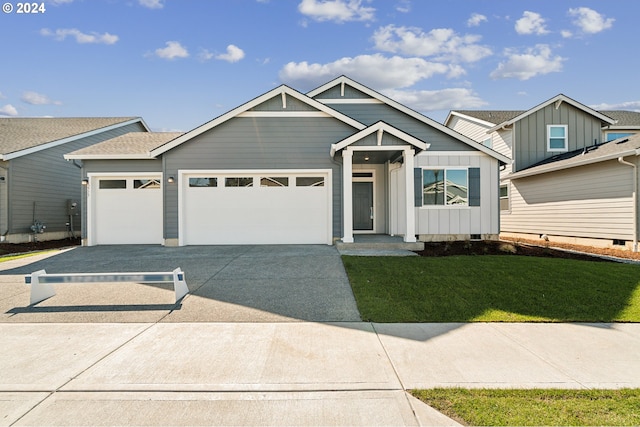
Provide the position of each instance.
(373, 180)
(410, 112)
(378, 127)
(218, 173)
(452, 153)
(566, 139)
(408, 156)
(281, 90)
(284, 114)
(138, 156)
(445, 169)
(350, 101)
(66, 140)
(347, 195)
(468, 118)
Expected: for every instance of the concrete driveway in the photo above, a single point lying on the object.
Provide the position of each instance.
(226, 283)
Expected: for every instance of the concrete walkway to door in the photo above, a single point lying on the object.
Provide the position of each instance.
(227, 284)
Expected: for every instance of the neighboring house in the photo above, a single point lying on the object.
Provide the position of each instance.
(36, 183)
(288, 167)
(568, 181)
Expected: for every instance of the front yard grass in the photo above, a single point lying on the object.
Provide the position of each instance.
(493, 288)
(536, 407)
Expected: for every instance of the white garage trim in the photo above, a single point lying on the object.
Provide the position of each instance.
(92, 191)
(183, 179)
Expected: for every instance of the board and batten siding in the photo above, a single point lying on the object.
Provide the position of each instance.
(593, 201)
(48, 180)
(530, 133)
(463, 220)
(254, 143)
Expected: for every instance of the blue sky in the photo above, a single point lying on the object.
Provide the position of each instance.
(180, 63)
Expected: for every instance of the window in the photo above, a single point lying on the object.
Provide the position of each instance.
(203, 182)
(270, 181)
(615, 135)
(111, 184)
(442, 187)
(504, 197)
(144, 184)
(309, 181)
(557, 138)
(488, 142)
(238, 182)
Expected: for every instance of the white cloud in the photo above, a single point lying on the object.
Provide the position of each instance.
(57, 2)
(234, 54)
(62, 33)
(441, 43)
(534, 61)
(531, 23)
(433, 100)
(8, 110)
(151, 4)
(205, 55)
(404, 6)
(35, 98)
(336, 10)
(566, 34)
(374, 70)
(476, 19)
(172, 51)
(628, 105)
(590, 21)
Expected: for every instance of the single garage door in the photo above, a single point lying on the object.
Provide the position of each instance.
(255, 208)
(126, 210)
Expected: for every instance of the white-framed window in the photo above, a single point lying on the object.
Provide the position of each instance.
(488, 142)
(557, 138)
(504, 197)
(445, 187)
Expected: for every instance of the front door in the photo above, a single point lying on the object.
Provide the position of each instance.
(363, 206)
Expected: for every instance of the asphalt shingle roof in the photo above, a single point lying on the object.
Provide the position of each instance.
(624, 118)
(132, 143)
(492, 116)
(21, 133)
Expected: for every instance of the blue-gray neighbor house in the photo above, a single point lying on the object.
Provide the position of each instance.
(288, 167)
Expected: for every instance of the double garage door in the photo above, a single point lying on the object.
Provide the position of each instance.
(272, 207)
(214, 208)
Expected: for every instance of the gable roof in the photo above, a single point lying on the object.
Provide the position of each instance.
(485, 117)
(20, 136)
(621, 147)
(624, 119)
(403, 108)
(283, 91)
(378, 127)
(132, 145)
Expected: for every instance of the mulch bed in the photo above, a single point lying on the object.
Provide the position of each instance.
(17, 248)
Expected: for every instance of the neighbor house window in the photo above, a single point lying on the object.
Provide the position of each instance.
(615, 135)
(445, 187)
(504, 197)
(488, 142)
(557, 138)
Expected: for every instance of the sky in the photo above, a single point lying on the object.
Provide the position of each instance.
(180, 63)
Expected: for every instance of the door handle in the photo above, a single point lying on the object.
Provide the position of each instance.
(371, 212)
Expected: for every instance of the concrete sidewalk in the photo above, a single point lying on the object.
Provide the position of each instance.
(291, 373)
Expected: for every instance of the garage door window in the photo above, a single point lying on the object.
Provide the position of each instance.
(238, 182)
(309, 181)
(270, 181)
(203, 182)
(143, 184)
(110, 184)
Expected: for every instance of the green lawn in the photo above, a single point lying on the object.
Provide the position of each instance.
(499, 288)
(536, 407)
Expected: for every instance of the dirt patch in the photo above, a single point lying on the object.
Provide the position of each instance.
(486, 247)
(17, 248)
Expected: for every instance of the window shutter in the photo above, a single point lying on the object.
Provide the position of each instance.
(417, 187)
(474, 186)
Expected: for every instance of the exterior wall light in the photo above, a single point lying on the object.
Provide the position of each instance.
(85, 181)
(171, 180)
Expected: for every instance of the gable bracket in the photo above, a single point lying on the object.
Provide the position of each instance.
(284, 100)
(342, 89)
(558, 103)
(380, 131)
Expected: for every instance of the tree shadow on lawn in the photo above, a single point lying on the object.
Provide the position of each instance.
(503, 288)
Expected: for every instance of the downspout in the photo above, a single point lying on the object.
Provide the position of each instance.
(634, 199)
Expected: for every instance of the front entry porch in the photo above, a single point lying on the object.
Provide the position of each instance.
(377, 243)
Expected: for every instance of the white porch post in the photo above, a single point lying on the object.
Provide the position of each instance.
(347, 197)
(410, 234)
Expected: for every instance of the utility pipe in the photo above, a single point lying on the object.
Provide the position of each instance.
(622, 161)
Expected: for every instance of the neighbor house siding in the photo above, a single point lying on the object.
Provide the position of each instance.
(531, 133)
(40, 184)
(472, 130)
(436, 223)
(592, 201)
(254, 143)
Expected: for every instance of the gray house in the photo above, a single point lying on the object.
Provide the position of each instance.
(573, 175)
(287, 167)
(37, 185)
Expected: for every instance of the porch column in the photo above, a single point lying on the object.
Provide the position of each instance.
(410, 233)
(347, 197)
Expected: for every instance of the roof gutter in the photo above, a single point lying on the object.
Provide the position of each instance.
(634, 198)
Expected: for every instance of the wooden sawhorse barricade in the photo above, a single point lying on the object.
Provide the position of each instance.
(41, 282)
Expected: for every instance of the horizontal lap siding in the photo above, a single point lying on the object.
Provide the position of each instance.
(590, 201)
(47, 179)
(260, 143)
(469, 129)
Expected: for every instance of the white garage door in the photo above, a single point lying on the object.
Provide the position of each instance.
(126, 210)
(255, 208)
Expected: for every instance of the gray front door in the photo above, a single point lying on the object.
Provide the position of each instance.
(363, 205)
